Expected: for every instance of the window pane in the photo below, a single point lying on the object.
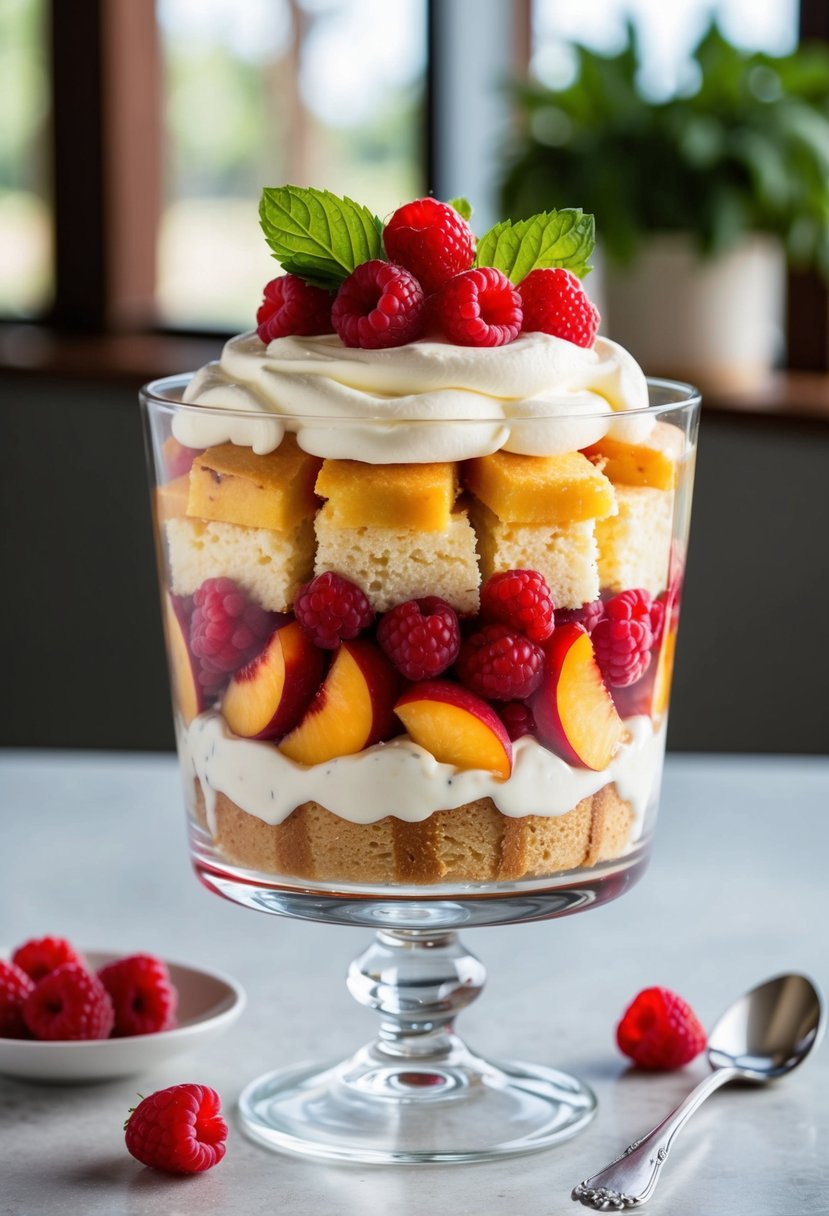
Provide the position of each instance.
(26, 280)
(667, 30)
(315, 92)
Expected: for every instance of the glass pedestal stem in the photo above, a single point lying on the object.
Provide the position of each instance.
(416, 1093)
(418, 981)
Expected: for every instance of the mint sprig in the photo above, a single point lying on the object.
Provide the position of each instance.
(317, 235)
(553, 238)
(462, 206)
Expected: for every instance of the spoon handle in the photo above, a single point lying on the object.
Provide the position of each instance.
(631, 1179)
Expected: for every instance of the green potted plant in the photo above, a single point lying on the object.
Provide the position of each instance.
(699, 199)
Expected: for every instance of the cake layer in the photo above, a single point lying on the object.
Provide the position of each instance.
(634, 545)
(396, 564)
(234, 485)
(566, 555)
(641, 464)
(550, 490)
(171, 499)
(472, 843)
(361, 495)
(269, 565)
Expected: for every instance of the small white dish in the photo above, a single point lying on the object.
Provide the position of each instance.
(208, 1004)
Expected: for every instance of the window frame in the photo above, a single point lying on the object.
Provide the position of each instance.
(107, 161)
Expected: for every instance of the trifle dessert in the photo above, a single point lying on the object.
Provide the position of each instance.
(421, 539)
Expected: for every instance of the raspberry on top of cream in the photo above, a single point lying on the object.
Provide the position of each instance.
(397, 376)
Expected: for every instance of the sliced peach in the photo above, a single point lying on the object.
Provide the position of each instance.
(188, 694)
(351, 710)
(456, 726)
(269, 695)
(664, 673)
(574, 713)
(650, 695)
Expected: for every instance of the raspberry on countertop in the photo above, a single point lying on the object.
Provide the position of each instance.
(179, 1130)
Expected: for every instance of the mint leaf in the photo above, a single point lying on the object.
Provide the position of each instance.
(462, 206)
(553, 238)
(317, 235)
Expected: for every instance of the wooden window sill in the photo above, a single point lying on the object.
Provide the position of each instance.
(126, 358)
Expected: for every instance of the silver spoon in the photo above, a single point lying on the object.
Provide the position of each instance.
(763, 1036)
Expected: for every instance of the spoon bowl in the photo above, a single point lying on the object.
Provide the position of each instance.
(761, 1037)
(770, 1030)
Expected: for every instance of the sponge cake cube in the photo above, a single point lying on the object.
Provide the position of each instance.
(270, 565)
(396, 564)
(361, 495)
(234, 485)
(634, 545)
(549, 490)
(566, 555)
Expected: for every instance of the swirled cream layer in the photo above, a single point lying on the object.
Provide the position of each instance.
(423, 402)
(405, 780)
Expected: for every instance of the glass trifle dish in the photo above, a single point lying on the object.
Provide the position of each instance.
(421, 541)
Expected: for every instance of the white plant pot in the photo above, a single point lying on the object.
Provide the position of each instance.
(718, 323)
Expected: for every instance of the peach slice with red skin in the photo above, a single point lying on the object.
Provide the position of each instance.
(574, 713)
(456, 726)
(268, 696)
(650, 695)
(353, 707)
(188, 694)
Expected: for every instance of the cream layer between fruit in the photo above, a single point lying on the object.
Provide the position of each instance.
(426, 401)
(403, 779)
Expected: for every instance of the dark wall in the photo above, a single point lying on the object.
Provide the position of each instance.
(80, 622)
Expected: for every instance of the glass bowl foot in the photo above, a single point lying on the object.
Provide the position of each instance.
(378, 1110)
(417, 1093)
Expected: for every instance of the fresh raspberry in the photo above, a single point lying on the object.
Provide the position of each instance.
(660, 1030)
(421, 637)
(518, 719)
(226, 630)
(499, 664)
(15, 986)
(143, 996)
(69, 1003)
(522, 600)
(43, 954)
(588, 615)
(555, 302)
(479, 308)
(179, 1130)
(332, 609)
(378, 305)
(431, 240)
(623, 638)
(659, 610)
(292, 306)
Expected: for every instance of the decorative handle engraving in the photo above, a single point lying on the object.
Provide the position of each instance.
(631, 1179)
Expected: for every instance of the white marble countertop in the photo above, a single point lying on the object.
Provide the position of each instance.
(92, 847)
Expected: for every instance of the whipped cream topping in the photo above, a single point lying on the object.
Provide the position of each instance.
(426, 401)
(403, 779)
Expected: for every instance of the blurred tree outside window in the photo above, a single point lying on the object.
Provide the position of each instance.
(25, 210)
(667, 31)
(327, 93)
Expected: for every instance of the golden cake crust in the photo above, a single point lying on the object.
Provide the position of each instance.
(474, 842)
